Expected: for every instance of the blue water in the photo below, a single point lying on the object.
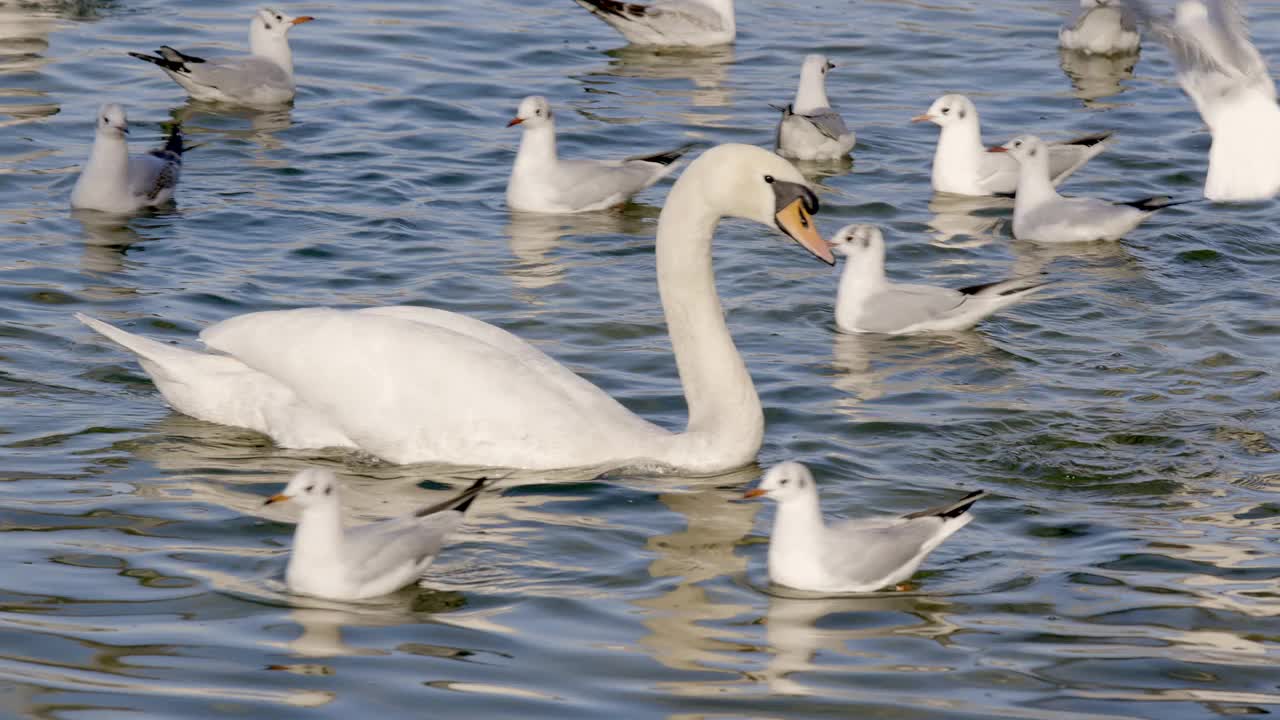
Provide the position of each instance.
(1125, 424)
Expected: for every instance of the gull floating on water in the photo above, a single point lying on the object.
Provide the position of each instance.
(868, 302)
(962, 165)
(1041, 214)
(112, 181)
(1228, 80)
(365, 561)
(542, 182)
(810, 129)
(853, 556)
(1100, 27)
(668, 22)
(263, 78)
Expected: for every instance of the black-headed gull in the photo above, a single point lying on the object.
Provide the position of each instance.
(809, 128)
(962, 165)
(542, 182)
(1229, 82)
(668, 22)
(113, 181)
(1041, 214)
(868, 302)
(263, 78)
(330, 561)
(1100, 27)
(853, 556)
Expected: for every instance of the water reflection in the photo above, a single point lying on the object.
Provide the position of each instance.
(203, 118)
(1097, 76)
(954, 217)
(706, 68)
(535, 236)
(106, 240)
(867, 365)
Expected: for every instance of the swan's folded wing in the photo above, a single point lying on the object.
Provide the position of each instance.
(416, 391)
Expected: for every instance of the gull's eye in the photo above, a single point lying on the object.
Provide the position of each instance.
(328, 489)
(768, 179)
(946, 111)
(279, 19)
(104, 119)
(783, 482)
(311, 488)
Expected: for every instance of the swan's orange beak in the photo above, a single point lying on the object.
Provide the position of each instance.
(752, 493)
(280, 497)
(302, 18)
(799, 226)
(922, 118)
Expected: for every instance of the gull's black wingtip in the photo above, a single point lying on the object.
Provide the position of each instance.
(950, 510)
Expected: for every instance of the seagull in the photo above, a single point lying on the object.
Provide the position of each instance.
(1041, 214)
(810, 129)
(263, 78)
(542, 182)
(1100, 27)
(962, 166)
(1228, 80)
(337, 563)
(868, 302)
(691, 23)
(114, 182)
(855, 555)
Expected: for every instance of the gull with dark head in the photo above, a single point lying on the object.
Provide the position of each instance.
(962, 166)
(116, 182)
(853, 556)
(262, 78)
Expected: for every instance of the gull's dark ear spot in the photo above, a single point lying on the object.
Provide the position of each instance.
(961, 113)
(1032, 152)
(311, 488)
(328, 489)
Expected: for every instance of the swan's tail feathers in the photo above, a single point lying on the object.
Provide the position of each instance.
(1012, 288)
(1152, 204)
(668, 157)
(951, 510)
(459, 502)
(144, 348)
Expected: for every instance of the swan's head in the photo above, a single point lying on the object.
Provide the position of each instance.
(310, 488)
(1025, 149)
(273, 24)
(859, 242)
(949, 110)
(751, 183)
(112, 121)
(534, 111)
(785, 482)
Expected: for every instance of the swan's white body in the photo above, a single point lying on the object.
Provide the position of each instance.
(962, 166)
(854, 556)
(809, 128)
(1100, 27)
(411, 384)
(115, 182)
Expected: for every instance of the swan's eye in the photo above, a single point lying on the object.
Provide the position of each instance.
(311, 488)
(768, 179)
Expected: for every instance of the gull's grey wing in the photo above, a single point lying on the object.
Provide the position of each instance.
(375, 549)
(581, 183)
(827, 121)
(873, 550)
(239, 76)
(1070, 155)
(901, 306)
(152, 174)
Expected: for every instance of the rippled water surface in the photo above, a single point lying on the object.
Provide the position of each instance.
(1125, 425)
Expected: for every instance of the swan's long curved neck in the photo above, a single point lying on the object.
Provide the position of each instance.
(726, 422)
(537, 148)
(723, 8)
(272, 47)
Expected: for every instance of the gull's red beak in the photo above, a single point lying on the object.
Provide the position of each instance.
(752, 493)
(515, 121)
(998, 148)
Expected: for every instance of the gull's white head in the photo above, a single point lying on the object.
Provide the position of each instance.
(785, 482)
(748, 182)
(534, 112)
(112, 121)
(859, 243)
(948, 110)
(816, 66)
(1026, 149)
(273, 24)
(313, 487)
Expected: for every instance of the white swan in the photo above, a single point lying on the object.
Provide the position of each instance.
(413, 384)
